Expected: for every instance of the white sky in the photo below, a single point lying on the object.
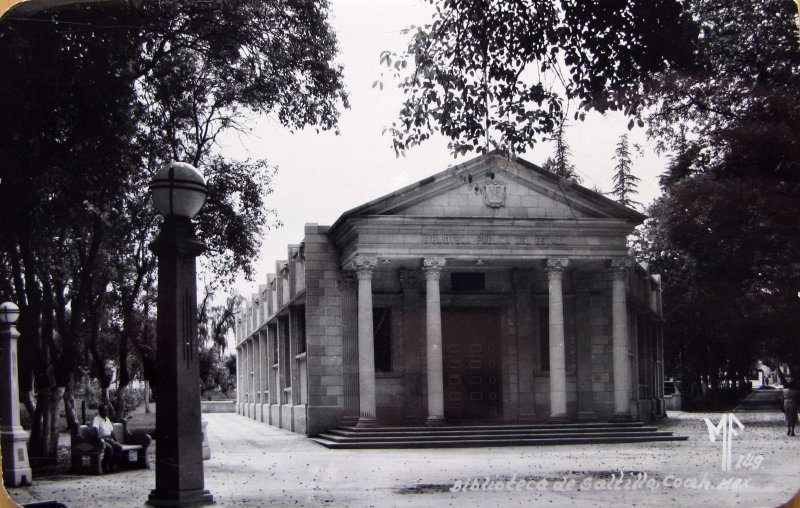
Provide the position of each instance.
(323, 175)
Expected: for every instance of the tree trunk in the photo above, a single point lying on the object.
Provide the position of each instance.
(121, 389)
(44, 448)
(123, 374)
(26, 398)
(70, 413)
(105, 398)
(56, 396)
(147, 396)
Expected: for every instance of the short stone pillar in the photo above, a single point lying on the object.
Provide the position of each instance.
(558, 371)
(433, 269)
(206, 447)
(13, 438)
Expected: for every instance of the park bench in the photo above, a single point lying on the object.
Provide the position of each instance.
(85, 443)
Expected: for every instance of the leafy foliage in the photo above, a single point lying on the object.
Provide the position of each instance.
(136, 88)
(725, 233)
(496, 73)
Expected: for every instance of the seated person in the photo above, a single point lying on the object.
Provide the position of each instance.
(104, 428)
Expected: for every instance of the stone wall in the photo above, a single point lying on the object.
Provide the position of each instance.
(323, 331)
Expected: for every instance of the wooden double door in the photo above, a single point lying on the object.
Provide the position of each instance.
(471, 357)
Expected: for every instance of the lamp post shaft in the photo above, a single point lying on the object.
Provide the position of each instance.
(179, 460)
(13, 439)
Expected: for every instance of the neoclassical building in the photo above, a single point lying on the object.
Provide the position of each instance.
(493, 291)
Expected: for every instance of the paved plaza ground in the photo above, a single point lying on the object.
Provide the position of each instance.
(256, 465)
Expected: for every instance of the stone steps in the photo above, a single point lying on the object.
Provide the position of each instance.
(491, 435)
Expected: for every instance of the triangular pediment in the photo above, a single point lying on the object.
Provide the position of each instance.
(496, 185)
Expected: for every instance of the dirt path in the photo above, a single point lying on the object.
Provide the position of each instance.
(255, 465)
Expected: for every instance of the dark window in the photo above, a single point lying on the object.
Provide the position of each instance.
(273, 333)
(382, 320)
(642, 336)
(468, 281)
(285, 355)
(544, 338)
(301, 329)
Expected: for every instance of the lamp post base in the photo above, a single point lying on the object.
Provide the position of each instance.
(16, 468)
(198, 497)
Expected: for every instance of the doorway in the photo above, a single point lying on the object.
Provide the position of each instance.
(471, 357)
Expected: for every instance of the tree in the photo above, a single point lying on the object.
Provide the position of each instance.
(64, 154)
(560, 163)
(137, 87)
(497, 72)
(216, 372)
(625, 182)
(725, 234)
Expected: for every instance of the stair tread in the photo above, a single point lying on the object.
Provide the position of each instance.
(490, 436)
(499, 426)
(496, 442)
(460, 432)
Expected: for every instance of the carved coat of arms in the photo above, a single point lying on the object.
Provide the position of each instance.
(495, 195)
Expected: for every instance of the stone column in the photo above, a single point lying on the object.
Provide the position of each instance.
(366, 342)
(253, 376)
(433, 269)
(239, 384)
(558, 372)
(257, 372)
(263, 384)
(622, 364)
(347, 285)
(251, 398)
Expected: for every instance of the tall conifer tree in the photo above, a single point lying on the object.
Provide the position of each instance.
(625, 182)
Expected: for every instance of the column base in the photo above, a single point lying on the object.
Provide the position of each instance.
(196, 497)
(621, 418)
(559, 418)
(587, 416)
(366, 423)
(435, 421)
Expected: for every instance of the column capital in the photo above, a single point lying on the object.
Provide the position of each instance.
(619, 267)
(556, 267)
(364, 266)
(432, 267)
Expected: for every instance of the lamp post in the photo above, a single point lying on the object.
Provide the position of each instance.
(178, 192)
(13, 439)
